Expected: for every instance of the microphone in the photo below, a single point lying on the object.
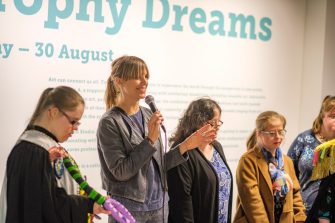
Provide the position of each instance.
(151, 102)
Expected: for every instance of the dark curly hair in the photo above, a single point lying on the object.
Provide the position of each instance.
(196, 115)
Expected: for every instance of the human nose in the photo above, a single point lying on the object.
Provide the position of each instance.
(75, 127)
(279, 134)
(216, 126)
(144, 80)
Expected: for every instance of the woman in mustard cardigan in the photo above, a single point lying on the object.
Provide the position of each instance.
(268, 190)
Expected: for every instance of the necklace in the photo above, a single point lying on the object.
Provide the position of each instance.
(322, 139)
(208, 152)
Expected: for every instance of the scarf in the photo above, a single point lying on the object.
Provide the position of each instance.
(281, 181)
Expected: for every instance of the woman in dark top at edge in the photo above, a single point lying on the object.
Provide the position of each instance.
(31, 191)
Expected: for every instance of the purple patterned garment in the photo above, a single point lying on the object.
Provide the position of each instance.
(224, 186)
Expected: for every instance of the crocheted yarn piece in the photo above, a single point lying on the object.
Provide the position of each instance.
(324, 160)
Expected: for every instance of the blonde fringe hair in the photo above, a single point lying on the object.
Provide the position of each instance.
(126, 68)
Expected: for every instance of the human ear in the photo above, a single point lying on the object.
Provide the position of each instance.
(117, 81)
(53, 112)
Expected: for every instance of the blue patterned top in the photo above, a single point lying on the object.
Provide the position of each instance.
(302, 152)
(224, 186)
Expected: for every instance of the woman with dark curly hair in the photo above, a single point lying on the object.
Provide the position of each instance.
(200, 189)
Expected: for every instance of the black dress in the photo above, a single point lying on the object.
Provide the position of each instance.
(32, 191)
(324, 204)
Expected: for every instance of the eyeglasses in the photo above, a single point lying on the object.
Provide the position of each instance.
(214, 123)
(273, 134)
(74, 123)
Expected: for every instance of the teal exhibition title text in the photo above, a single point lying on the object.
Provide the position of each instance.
(197, 19)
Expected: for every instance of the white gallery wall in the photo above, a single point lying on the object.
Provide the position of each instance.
(250, 56)
(318, 73)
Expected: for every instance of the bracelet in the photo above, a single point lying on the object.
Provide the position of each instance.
(150, 141)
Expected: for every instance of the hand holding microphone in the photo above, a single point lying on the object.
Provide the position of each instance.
(156, 120)
(151, 102)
